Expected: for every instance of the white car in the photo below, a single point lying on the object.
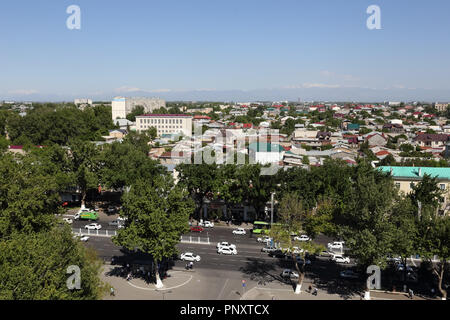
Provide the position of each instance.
(239, 231)
(68, 220)
(206, 224)
(267, 240)
(93, 226)
(288, 273)
(225, 245)
(340, 259)
(81, 237)
(337, 245)
(227, 250)
(189, 256)
(303, 237)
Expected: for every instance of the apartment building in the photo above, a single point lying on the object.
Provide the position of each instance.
(406, 177)
(165, 123)
(122, 106)
(441, 106)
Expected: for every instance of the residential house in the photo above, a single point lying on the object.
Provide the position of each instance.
(264, 153)
(376, 139)
(431, 140)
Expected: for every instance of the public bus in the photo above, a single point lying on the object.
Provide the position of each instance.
(262, 227)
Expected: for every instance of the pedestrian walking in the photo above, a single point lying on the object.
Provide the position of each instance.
(309, 289)
(411, 294)
(191, 265)
(112, 293)
(315, 292)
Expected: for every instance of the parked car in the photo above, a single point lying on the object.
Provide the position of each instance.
(206, 224)
(112, 209)
(197, 229)
(401, 267)
(326, 254)
(277, 254)
(264, 239)
(189, 256)
(114, 223)
(340, 259)
(226, 245)
(268, 249)
(288, 273)
(349, 274)
(303, 237)
(394, 259)
(93, 226)
(301, 261)
(81, 237)
(336, 245)
(227, 250)
(239, 231)
(68, 220)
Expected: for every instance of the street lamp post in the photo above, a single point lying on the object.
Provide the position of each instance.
(271, 210)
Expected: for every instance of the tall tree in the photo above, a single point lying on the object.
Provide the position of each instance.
(365, 221)
(29, 197)
(156, 216)
(85, 167)
(292, 216)
(34, 267)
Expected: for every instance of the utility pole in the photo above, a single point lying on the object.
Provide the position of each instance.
(271, 210)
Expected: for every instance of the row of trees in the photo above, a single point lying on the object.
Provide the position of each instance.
(52, 123)
(358, 204)
(363, 208)
(35, 251)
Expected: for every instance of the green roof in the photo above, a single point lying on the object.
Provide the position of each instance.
(265, 147)
(353, 126)
(413, 172)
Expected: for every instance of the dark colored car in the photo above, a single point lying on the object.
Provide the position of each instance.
(197, 229)
(277, 254)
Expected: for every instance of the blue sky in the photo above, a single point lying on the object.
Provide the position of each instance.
(219, 49)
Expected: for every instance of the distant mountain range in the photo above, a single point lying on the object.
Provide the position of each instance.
(317, 93)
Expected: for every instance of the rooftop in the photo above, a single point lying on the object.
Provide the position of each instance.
(413, 172)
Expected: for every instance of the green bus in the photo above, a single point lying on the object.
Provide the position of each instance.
(262, 227)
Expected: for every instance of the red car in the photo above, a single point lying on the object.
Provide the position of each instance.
(197, 229)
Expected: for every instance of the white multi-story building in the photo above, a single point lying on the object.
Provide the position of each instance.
(83, 101)
(165, 123)
(121, 106)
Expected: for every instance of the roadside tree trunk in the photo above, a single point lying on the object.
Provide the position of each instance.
(301, 274)
(367, 292)
(83, 199)
(159, 283)
(440, 275)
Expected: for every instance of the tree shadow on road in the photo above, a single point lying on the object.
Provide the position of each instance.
(326, 277)
(262, 271)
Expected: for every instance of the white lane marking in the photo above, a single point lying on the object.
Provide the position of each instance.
(163, 289)
(221, 291)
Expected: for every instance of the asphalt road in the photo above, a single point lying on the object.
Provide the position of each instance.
(250, 262)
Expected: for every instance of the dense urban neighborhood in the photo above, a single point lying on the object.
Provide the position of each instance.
(207, 200)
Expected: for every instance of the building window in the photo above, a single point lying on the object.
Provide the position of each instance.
(442, 186)
(397, 185)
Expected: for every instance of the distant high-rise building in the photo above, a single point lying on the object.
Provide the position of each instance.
(122, 106)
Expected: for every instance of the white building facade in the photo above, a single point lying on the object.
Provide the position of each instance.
(122, 106)
(165, 123)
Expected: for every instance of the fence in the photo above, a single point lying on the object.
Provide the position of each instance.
(198, 240)
(95, 233)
